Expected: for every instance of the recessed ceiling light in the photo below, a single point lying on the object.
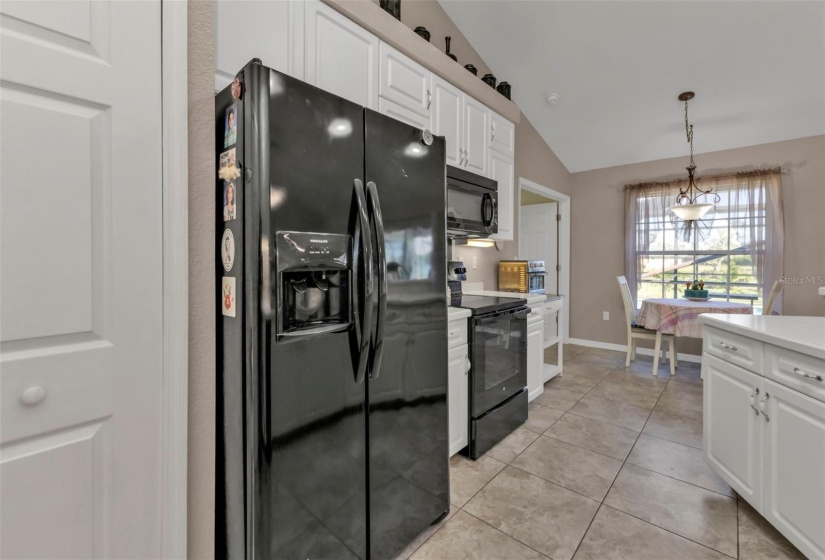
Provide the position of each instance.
(553, 98)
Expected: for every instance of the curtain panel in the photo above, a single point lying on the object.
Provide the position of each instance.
(750, 208)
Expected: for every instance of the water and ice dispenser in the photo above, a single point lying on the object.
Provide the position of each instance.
(313, 275)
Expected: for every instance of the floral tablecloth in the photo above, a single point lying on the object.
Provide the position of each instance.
(681, 316)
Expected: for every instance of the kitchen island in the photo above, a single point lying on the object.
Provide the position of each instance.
(764, 418)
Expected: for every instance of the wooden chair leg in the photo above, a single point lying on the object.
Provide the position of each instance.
(656, 352)
(675, 353)
(633, 353)
(629, 351)
(672, 347)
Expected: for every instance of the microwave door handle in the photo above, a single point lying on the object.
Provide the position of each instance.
(363, 231)
(487, 208)
(381, 308)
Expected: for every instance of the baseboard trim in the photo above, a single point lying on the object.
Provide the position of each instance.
(623, 348)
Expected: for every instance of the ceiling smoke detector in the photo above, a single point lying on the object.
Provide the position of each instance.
(553, 98)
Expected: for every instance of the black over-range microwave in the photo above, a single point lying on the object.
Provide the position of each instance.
(472, 204)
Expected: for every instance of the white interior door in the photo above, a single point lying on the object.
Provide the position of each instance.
(538, 239)
(81, 279)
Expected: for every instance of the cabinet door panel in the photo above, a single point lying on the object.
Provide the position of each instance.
(271, 31)
(457, 395)
(476, 136)
(399, 113)
(340, 57)
(795, 452)
(535, 355)
(502, 135)
(503, 171)
(732, 429)
(404, 81)
(446, 117)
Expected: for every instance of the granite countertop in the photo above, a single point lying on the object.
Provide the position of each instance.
(800, 334)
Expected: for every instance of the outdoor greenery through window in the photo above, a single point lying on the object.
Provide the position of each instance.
(736, 249)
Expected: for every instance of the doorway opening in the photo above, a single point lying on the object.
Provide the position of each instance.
(544, 235)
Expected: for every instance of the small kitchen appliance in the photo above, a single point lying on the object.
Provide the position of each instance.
(524, 277)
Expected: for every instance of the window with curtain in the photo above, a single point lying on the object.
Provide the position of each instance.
(735, 249)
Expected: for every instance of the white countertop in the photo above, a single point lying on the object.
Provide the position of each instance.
(454, 313)
(800, 334)
(532, 299)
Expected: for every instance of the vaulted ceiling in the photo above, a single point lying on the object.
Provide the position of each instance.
(758, 70)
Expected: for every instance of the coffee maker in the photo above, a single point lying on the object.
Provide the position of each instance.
(456, 274)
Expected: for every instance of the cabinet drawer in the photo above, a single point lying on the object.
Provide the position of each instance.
(744, 352)
(804, 373)
(535, 315)
(456, 333)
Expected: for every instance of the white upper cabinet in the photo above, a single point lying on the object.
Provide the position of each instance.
(446, 119)
(502, 170)
(502, 135)
(399, 113)
(271, 31)
(403, 81)
(476, 136)
(340, 56)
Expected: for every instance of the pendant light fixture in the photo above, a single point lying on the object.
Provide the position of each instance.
(692, 202)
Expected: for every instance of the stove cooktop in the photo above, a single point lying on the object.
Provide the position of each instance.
(479, 305)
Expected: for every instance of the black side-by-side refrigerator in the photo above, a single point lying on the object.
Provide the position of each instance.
(332, 346)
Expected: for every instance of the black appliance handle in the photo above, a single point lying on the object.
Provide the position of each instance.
(363, 330)
(381, 308)
(317, 330)
(487, 210)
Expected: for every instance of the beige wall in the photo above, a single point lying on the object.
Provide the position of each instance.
(598, 252)
(201, 487)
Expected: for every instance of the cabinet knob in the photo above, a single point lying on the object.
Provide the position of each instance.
(32, 396)
(468, 365)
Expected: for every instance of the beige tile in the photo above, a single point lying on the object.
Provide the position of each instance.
(612, 412)
(600, 437)
(677, 461)
(674, 428)
(539, 418)
(468, 476)
(575, 468)
(758, 540)
(538, 513)
(637, 396)
(587, 371)
(572, 382)
(465, 537)
(681, 403)
(633, 378)
(614, 535)
(508, 449)
(692, 512)
(426, 534)
(560, 399)
(682, 387)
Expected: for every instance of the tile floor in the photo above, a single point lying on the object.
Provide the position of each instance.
(608, 466)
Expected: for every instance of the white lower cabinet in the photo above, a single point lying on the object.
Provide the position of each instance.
(733, 426)
(535, 354)
(766, 440)
(458, 366)
(795, 452)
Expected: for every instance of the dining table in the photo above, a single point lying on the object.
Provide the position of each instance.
(680, 317)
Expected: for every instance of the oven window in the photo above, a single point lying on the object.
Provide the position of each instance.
(499, 345)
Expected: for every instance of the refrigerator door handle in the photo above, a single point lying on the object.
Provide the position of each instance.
(362, 331)
(381, 308)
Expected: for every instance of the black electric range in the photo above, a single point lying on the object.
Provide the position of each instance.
(481, 305)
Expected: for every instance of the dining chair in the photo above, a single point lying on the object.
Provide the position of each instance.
(635, 332)
(767, 309)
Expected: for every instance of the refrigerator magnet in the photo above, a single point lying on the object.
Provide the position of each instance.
(227, 250)
(229, 207)
(237, 88)
(230, 131)
(228, 296)
(229, 168)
